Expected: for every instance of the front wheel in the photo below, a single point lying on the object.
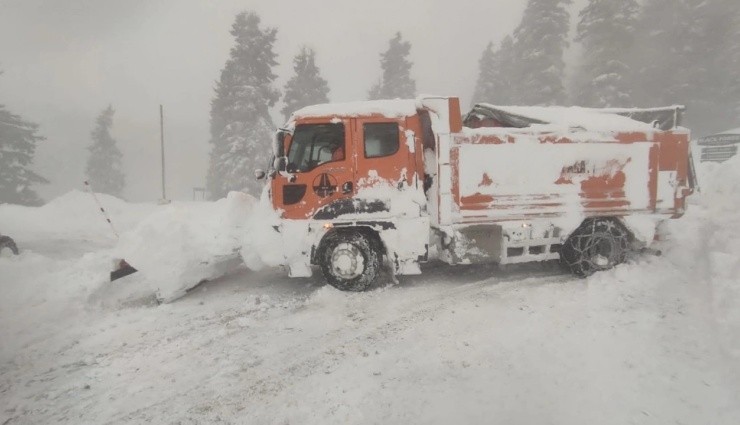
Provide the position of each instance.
(349, 261)
(598, 244)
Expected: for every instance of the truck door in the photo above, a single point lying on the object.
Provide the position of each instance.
(383, 156)
(319, 169)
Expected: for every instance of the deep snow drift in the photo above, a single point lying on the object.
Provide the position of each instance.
(656, 340)
(183, 243)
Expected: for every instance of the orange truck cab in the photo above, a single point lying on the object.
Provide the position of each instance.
(365, 184)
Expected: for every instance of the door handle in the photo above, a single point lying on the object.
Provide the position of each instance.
(347, 188)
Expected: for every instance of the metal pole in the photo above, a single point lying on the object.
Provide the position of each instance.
(102, 210)
(161, 134)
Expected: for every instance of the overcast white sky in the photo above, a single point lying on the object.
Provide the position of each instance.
(65, 60)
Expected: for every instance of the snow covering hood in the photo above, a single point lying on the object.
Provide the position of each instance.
(591, 119)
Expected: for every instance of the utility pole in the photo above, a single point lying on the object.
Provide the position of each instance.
(161, 136)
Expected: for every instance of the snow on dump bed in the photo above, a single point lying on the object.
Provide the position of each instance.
(388, 108)
(575, 117)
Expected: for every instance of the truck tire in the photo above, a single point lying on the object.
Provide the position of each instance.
(7, 242)
(349, 261)
(598, 244)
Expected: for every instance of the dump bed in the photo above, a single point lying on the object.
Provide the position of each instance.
(518, 163)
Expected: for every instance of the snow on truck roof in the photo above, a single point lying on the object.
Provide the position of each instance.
(589, 119)
(541, 117)
(388, 108)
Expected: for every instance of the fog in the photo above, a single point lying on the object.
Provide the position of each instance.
(64, 62)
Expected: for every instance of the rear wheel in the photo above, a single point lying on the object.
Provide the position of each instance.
(598, 244)
(349, 261)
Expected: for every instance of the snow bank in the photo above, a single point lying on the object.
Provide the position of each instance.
(74, 215)
(182, 244)
(721, 200)
(705, 244)
(174, 246)
(261, 243)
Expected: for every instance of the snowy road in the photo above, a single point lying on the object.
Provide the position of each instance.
(458, 345)
(654, 341)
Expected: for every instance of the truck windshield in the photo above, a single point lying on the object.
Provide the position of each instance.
(315, 144)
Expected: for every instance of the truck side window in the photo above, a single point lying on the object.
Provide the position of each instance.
(381, 139)
(315, 144)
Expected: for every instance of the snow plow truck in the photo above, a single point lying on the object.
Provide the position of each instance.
(365, 184)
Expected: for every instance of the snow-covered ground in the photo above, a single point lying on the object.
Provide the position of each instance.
(655, 341)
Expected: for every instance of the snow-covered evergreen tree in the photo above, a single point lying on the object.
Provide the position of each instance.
(396, 81)
(539, 43)
(733, 54)
(606, 32)
(306, 87)
(662, 61)
(713, 61)
(495, 74)
(104, 171)
(685, 57)
(241, 126)
(18, 140)
(484, 87)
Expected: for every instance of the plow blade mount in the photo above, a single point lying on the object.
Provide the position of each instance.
(121, 269)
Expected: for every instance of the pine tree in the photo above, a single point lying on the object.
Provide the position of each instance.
(708, 88)
(396, 81)
(661, 60)
(241, 126)
(306, 87)
(539, 43)
(495, 74)
(606, 31)
(104, 171)
(685, 58)
(484, 88)
(733, 55)
(18, 140)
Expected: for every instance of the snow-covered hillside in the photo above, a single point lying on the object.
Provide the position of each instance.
(654, 341)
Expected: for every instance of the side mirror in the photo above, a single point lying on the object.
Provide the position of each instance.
(281, 163)
(259, 174)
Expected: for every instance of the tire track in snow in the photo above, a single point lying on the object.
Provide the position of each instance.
(315, 355)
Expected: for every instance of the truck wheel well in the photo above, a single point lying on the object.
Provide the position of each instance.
(372, 235)
(599, 243)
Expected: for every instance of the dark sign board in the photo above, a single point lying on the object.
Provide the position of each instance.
(719, 139)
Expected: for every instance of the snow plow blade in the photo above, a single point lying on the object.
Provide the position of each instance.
(152, 287)
(122, 269)
(149, 286)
